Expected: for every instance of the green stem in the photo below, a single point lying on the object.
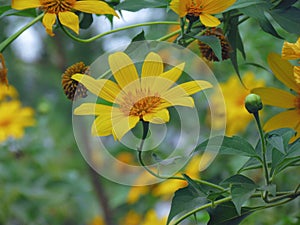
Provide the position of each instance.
(116, 30)
(9, 40)
(208, 205)
(141, 161)
(166, 37)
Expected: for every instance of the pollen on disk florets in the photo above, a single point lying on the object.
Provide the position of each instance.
(139, 104)
(297, 102)
(206, 50)
(56, 6)
(72, 88)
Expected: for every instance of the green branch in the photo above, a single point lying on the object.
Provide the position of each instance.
(116, 30)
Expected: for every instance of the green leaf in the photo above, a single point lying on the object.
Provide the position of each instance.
(238, 179)
(25, 13)
(283, 17)
(139, 37)
(270, 188)
(213, 42)
(232, 146)
(244, 3)
(133, 5)
(185, 200)
(226, 214)
(286, 3)
(277, 158)
(241, 188)
(257, 12)
(294, 149)
(280, 138)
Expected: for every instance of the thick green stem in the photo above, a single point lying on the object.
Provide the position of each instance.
(116, 30)
(9, 40)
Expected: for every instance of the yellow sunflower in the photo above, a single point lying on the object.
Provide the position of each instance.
(63, 9)
(283, 71)
(14, 118)
(136, 98)
(202, 8)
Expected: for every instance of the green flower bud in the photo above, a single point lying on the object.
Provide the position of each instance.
(253, 103)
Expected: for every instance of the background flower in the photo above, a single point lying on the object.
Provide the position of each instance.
(64, 11)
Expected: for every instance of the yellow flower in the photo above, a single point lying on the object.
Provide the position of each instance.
(14, 119)
(136, 98)
(63, 9)
(7, 92)
(291, 50)
(283, 71)
(202, 8)
(152, 218)
(237, 117)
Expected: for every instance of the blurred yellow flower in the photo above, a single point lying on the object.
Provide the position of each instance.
(136, 98)
(63, 9)
(14, 118)
(98, 220)
(153, 219)
(283, 71)
(7, 91)
(202, 8)
(237, 117)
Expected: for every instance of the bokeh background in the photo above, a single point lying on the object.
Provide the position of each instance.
(43, 176)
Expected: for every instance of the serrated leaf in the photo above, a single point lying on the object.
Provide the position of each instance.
(213, 42)
(232, 146)
(225, 214)
(185, 200)
(133, 5)
(283, 17)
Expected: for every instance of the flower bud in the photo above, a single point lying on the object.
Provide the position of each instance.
(253, 103)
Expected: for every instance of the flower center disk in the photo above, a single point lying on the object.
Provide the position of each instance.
(141, 107)
(56, 6)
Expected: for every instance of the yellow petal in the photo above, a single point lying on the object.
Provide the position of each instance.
(291, 50)
(178, 100)
(92, 109)
(70, 20)
(152, 66)
(209, 20)
(283, 70)
(25, 4)
(275, 97)
(48, 22)
(102, 125)
(122, 68)
(174, 73)
(180, 7)
(122, 124)
(297, 74)
(188, 88)
(159, 117)
(103, 88)
(286, 119)
(216, 6)
(97, 7)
